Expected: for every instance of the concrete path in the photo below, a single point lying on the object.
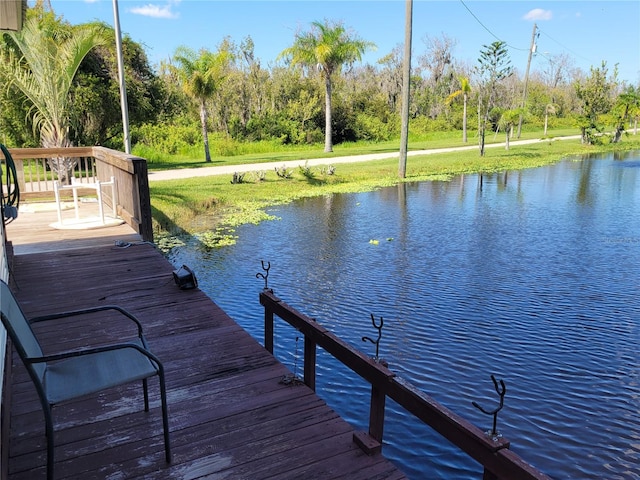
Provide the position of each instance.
(255, 167)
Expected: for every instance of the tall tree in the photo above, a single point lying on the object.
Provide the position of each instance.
(327, 47)
(494, 66)
(439, 62)
(390, 77)
(248, 88)
(200, 75)
(596, 92)
(41, 61)
(96, 116)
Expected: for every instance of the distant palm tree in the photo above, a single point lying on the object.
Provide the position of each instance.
(200, 75)
(465, 90)
(326, 47)
(41, 61)
(549, 109)
(627, 107)
(508, 118)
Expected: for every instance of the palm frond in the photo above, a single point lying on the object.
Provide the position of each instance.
(47, 57)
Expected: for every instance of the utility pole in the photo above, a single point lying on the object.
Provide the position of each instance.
(406, 86)
(123, 88)
(532, 50)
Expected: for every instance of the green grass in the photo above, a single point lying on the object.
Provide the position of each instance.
(214, 205)
(259, 152)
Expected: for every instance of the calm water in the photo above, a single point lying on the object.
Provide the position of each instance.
(531, 276)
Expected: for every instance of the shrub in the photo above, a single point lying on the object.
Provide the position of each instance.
(306, 170)
(259, 176)
(328, 170)
(166, 138)
(371, 128)
(283, 172)
(237, 178)
(423, 125)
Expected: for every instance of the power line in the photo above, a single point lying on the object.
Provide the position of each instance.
(564, 46)
(490, 32)
(478, 20)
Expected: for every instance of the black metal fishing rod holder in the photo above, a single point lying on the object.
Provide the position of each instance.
(501, 390)
(264, 276)
(376, 342)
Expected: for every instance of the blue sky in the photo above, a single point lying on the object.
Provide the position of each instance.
(588, 31)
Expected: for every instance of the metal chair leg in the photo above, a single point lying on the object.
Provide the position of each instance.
(165, 416)
(50, 443)
(145, 389)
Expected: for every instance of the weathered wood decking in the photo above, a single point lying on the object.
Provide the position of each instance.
(230, 417)
(32, 231)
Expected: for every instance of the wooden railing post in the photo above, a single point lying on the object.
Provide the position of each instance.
(371, 443)
(22, 184)
(376, 414)
(268, 330)
(310, 363)
(502, 444)
(487, 475)
(141, 176)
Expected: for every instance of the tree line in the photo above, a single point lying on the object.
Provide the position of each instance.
(60, 88)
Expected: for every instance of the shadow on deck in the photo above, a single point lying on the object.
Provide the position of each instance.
(230, 416)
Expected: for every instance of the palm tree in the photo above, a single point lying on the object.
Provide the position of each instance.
(508, 118)
(549, 109)
(200, 75)
(465, 90)
(41, 61)
(627, 107)
(327, 47)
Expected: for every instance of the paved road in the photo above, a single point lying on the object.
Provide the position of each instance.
(254, 167)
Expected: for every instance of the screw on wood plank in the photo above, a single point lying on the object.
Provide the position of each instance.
(264, 276)
(501, 391)
(376, 342)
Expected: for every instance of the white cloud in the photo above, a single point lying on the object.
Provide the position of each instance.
(156, 11)
(538, 14)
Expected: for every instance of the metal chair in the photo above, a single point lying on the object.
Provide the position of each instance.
(64, 376)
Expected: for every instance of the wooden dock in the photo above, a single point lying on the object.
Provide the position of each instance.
(32, 232)
(230, 415)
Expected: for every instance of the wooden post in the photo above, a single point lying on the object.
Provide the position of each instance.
(376, 414)
(310, 363)
(371, 443)
(487, 475)
(502, 443)
(268, 330)
(142, 178)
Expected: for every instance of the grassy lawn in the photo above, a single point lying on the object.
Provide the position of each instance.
(269, 152)
(211, 207)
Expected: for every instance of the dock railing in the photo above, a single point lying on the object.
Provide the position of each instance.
(493, 454)
(36, 178)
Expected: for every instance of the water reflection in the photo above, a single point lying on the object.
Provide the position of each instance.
(531, 276)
